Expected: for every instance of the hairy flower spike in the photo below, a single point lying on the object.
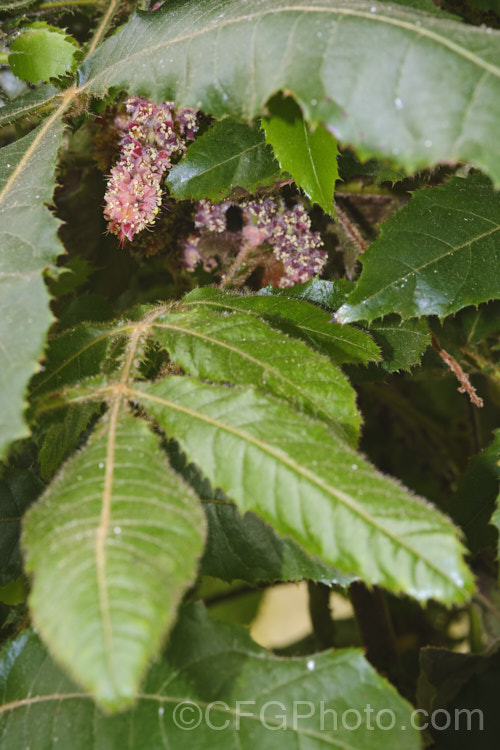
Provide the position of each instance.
(150, 134)
(265, 222)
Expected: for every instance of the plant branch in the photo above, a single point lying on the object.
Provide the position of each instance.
(350, 229)
(460, 374)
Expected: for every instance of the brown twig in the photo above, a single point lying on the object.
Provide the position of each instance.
(235, 276)
(350, 229)
(460, 374)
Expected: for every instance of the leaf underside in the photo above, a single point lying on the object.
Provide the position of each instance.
(369, 76)
(28, 244)
(117, 535)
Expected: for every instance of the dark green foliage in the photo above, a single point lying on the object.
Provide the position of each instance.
(183, 429)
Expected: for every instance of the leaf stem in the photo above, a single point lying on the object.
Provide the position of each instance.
(67, 3)
(102, 27)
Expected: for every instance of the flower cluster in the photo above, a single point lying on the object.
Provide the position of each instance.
(265, 222)
(150, 135)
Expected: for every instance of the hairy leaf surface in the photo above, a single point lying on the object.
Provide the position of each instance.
(310, 486)
(369, 76)
(438, 254)
(229, 155)
(29, 102)
(117, 536)
(295, 317)
(206, 661)
(28, 244)
(241, 349)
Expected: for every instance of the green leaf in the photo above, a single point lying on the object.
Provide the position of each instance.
(329, 294)
(290, 471)
(112, 545)
(246, 548)
(61, 438)
(229, 155)
(402, 342)
(28, 244)
(15, 4)
(474, 500)
(309, 155)
(207, 661)
(42, 52)
(29, 102)
(295, 317)
(241, 349)
(438, 254)
(18, 489)
(365, 70)
(87, 351)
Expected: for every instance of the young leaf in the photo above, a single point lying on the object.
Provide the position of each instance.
(28, 239)
(242, 695)
(112, 545)
(42, 52)
(241, 349)
(369, 76)
(439, 253)
(310, 155)
(229, 155)
(290, 471)
(295, 317)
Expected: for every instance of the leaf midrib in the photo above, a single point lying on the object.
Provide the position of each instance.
(280, 456)
(262, 365)
(406, 276)
(276, 316)
(234, 157)
(421, 31)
